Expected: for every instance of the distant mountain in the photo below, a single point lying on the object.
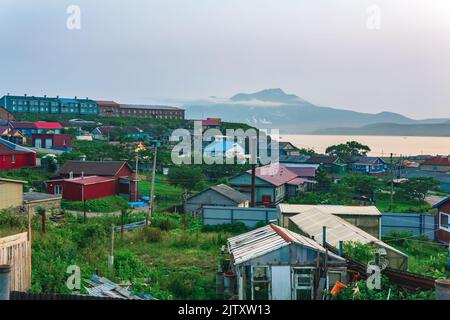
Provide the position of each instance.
(273, 108)
(268, 95)
(393, 129)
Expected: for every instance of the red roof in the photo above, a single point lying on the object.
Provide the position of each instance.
(211, 122)
(283, 174)
(48, 125)
(437, 161)
(89, 180)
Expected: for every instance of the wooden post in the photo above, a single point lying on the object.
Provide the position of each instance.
(84, 210)
(391, 200)
(324, 236)
(152, 188)
(111, 250)
(253, 194)
(184, 208)
(122, 223)
(340, 248)
(29, 246)
(43, 222)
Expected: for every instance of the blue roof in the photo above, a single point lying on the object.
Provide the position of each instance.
(439, 204)
(222, 146)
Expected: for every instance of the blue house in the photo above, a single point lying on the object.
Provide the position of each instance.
(224, 149)
(369, 165)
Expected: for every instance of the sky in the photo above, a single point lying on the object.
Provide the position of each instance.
(368, 56)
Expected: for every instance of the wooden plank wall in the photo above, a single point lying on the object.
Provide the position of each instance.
(14, 250)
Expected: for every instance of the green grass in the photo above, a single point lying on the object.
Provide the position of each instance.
(400, 205)
(166, 195)
(424, 256)
(178, 264)
(105, 205)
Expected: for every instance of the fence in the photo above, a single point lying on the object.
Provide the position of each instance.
(249, 216)
(414, 223)
(14, 251)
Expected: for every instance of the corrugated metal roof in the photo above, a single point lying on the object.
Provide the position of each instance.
(333, 209)
(263, 240)
(312, 221)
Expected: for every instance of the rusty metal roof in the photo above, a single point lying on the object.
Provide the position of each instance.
(264, 240)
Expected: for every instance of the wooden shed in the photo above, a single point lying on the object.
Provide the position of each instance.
(273, 263)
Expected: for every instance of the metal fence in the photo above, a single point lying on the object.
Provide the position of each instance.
(414, 223)
(249, 216)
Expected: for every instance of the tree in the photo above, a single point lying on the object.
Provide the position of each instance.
(361, 184)
(187, 177)
(416, 188)
(348, 150)
(323, 181)
(307, 151)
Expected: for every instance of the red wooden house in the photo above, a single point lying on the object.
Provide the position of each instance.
(82, 188)
(13, 156)
(442, 221)
(124, 177)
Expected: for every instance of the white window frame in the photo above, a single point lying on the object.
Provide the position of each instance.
(58, 189)
(440, 221)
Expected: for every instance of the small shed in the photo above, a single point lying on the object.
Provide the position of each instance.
(220, 195)
(311, 222)
(367, 218)
(442, 221)
(273, 263)
(11, 193)
(83, 188)
(35, 200)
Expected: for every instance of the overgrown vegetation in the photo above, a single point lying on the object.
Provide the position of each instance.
(106, 205)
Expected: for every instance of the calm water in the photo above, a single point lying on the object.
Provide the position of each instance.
(380, 145)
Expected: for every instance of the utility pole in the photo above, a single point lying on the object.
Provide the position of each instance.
(136, 181)
(253, 197)
(111, 250)
(391, 201)
(43, 223)
(185, 193)
(122, 222)
(152, 187)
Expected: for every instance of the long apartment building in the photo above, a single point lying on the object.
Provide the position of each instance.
(76, 106)
(114, 109)
(56, 105)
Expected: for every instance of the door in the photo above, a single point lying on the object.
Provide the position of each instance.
(281, 283)
(48, 143)
(303, 279)
(266, 200)
(38, 143)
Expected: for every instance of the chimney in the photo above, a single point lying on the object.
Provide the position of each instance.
(75, 97)
(82, 174)
(5, 271)
(25, 95)
(45, 96)
(83, 157)
(71, 175)
(57, 97)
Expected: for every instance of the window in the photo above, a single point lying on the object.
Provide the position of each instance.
(260, 283)
(304, 283)
(13, 158)
(444, 221)
(333, 276)
(58, 189)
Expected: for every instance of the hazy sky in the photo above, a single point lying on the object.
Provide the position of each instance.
(150, 50)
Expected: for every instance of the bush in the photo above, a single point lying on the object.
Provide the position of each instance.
(106, 205)
(166, 222)
(235, 228)
(151, 234)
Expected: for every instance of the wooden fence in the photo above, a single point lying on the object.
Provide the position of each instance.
(15, 251)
